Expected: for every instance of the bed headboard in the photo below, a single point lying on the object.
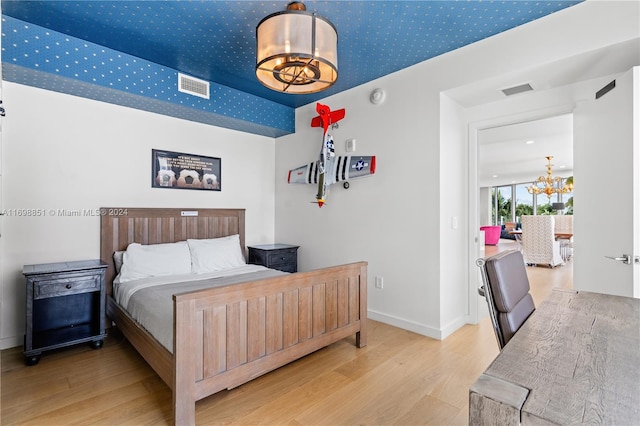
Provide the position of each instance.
(120, 226)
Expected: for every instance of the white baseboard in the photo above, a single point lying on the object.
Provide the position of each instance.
(453, 326)
(11, 342)
(425, 330)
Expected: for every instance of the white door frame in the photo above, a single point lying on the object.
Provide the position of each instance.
(474, 278)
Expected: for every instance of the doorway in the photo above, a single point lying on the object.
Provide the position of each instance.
(510, 160)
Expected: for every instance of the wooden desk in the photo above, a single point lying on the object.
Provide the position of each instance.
(575, 360)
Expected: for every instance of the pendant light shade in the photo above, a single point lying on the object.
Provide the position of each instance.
(297, 51)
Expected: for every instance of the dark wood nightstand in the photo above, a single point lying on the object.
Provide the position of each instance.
(283, 257)
(65, 306)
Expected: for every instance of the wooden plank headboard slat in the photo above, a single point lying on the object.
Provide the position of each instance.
(166, 230)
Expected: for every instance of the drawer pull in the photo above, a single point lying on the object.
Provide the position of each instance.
(68, 286)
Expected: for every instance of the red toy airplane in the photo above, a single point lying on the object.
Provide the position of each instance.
(330, 169)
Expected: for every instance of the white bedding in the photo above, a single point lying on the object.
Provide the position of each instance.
(149, 300)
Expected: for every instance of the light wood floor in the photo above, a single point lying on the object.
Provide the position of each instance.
(400, 378)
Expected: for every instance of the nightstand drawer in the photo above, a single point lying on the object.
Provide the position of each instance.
(289, 256)
(65, 286)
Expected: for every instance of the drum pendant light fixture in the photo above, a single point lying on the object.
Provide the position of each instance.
(297, 51)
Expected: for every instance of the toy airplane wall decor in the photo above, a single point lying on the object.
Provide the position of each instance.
(329, 169)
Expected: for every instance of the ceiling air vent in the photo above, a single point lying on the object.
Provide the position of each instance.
(193, 86)
(517, 89)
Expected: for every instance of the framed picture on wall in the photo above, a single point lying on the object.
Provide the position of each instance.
(178, 170)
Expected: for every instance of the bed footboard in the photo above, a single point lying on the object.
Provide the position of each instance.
(224, 337)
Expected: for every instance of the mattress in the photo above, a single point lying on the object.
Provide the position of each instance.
(150, 300)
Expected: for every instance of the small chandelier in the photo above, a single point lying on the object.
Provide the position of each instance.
(297, 51)
(550, 185)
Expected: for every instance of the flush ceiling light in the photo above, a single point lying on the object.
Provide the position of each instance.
(297, 51)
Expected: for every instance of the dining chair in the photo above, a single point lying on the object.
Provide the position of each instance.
(539, 245)
(564, 225)
(506, 289)
(510, 226)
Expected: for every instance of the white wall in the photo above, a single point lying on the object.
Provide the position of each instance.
(66, 152)
(485, 202)
(399, 220)
(387, 219)
(453, 208)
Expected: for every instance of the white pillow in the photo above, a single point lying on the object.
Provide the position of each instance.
(142, 261)
(118, 256)
(215, 254)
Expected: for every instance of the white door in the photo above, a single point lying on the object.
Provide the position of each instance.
(606, 153)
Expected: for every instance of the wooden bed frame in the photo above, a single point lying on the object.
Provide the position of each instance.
(227, 336)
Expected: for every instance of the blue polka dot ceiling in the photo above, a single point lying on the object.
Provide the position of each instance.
(129, 52)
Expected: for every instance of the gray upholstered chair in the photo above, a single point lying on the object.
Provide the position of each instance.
(506, 288)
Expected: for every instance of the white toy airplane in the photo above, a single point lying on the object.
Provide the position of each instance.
(330, 169)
